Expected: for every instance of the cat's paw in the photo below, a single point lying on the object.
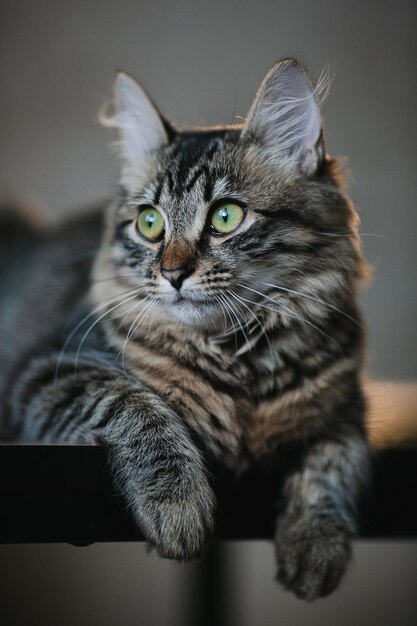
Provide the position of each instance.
(175, 513)
(312, 555)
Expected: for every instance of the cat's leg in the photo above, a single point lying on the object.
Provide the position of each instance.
(314, 532)
(154, 463)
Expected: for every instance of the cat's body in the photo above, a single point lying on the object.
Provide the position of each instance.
(44, 281)
(210, 341)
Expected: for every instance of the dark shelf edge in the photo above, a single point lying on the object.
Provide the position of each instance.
(61, 494)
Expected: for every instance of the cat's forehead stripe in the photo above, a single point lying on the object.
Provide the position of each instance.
(188, 159)
(189, 170)
(195, 175)
(191, 160)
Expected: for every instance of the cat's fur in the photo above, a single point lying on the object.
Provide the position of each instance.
(261, 346)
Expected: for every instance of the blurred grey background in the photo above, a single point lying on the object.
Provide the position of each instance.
(202, 62)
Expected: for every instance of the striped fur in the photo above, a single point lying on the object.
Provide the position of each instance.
(262, 345)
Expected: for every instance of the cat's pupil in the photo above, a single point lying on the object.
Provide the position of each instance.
(224, 213)
(150, 219)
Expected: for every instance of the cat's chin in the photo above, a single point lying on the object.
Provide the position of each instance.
(192, 312)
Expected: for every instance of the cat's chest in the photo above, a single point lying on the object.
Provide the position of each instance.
(235, 407)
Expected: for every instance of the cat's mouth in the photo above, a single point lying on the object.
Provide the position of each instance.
(180, 298)
(185, 298)
(191, 309)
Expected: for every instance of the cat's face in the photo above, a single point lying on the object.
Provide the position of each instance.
(221, 226)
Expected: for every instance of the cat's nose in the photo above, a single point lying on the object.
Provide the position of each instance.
(177, 275)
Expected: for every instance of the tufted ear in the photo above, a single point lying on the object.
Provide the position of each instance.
(142, 131)
(285, 117)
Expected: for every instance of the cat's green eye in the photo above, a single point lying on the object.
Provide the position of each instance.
(150, 223)
(226, 217)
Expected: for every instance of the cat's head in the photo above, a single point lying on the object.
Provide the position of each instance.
(215, 225)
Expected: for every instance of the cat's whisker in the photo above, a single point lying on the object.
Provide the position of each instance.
(251, 324)
(136, 322)
(228, 330)
(105, 302)
(100, 305)
(133, 328)
(80, 283)
(117, 315)
(314, 299)
(142, 317)
(236, 316)
(261, 326)
(80, 345)
(239, 325)
(350, 234)
(291, 313)
(222, 310)
(132, 325)
(233, 327)
(229, 315)
(135, 306)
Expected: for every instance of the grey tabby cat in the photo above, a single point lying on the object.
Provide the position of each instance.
(220, 323)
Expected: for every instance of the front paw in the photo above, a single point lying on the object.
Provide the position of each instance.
(174, 510)
(312, 555)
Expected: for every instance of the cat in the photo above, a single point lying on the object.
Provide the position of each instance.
(219, 322)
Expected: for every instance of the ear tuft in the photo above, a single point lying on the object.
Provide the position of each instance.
(141, 128)
(285, 116)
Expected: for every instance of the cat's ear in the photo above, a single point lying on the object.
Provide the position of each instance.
(285, 117)
(142, 130)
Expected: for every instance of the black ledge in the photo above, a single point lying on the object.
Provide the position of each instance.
(62, 494)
